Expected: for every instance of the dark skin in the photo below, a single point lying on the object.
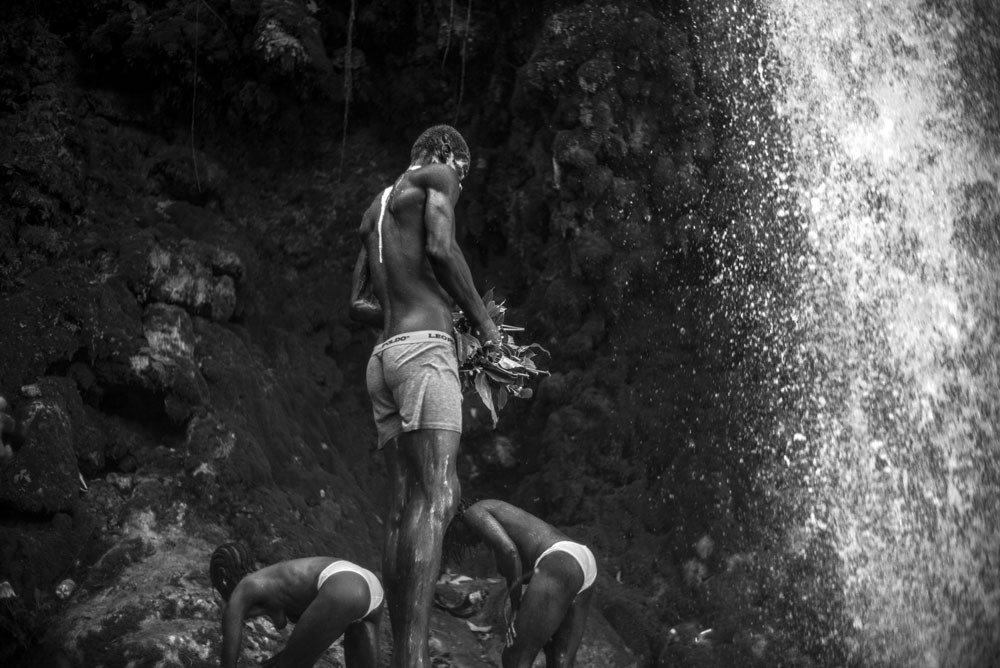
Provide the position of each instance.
(412, 287)
(548, 615)
(285, 592)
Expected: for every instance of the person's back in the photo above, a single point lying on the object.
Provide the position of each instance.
(530, 535)
(324, 597)
(287, 586)
(550, 581)
(399, 258)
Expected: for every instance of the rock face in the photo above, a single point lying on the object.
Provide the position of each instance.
(176, 245)
(165, 406)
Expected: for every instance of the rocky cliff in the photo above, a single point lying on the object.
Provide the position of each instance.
(182, 181)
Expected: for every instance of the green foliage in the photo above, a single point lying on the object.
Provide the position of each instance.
(495, 373)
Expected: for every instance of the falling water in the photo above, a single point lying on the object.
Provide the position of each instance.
(872, 156)
(892, 339)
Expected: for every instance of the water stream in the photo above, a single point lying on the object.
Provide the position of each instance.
(894, 335)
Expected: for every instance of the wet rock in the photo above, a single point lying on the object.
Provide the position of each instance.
(498, 451)
(184, 174)
(592, 254)
(61, 315)
(595, 73)
(65, 589)
(166, 367)
(570, 149)
(157, 593)
(597, 180)
(477, 640)
(288, 38)
(200, 277)
(42, 476)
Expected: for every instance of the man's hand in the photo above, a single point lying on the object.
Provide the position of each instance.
(511, 634)
(490, 337)
(491, 349)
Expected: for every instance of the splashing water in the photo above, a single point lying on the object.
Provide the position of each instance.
(893, 438)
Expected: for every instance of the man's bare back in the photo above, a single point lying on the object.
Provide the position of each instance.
(289, 586)
(402, 275)
(324, 597)
(529, 534)
(549, 581)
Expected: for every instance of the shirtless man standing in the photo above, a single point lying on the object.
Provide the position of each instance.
(557, 574)
(411, 263)
(324, 597)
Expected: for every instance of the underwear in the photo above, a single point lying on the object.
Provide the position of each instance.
(583, 556)
(374, 586)
(413, 384)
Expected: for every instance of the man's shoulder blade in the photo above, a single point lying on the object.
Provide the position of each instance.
(437, 176)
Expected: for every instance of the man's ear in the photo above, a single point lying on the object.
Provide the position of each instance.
(447, 153)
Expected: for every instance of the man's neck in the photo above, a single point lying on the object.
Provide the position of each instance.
(422, 161)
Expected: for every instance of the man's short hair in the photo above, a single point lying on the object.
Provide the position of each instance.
(441, 142)
(229, 564)
(459, 539)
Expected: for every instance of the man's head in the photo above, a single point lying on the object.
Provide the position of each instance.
(459, 538)
(444, 144)
(229, 564)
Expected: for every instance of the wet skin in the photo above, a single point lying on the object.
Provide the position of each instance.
(287, 591)
(549, 614)
(411, 287)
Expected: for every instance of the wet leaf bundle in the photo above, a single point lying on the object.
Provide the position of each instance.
(495, 373)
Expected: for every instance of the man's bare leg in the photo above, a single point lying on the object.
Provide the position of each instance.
(543, 608)
(560, 651)
(361, 644)
(399, 485)
(428, 456)
(343, 598)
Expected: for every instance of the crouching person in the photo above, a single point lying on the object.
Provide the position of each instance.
(324, 597)
(549, 577)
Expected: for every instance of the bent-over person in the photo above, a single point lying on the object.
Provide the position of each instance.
(325, 598)
(549, 577)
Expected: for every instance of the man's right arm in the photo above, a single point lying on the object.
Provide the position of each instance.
(364, 306)
(232, 630)
(508, 557)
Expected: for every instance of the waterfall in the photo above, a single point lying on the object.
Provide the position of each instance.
(892, 442)
(871, 133)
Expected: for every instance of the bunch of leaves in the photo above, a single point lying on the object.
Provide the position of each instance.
(498, 372)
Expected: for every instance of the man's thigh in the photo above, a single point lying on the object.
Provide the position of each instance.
(425, 386)
(430, 456)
